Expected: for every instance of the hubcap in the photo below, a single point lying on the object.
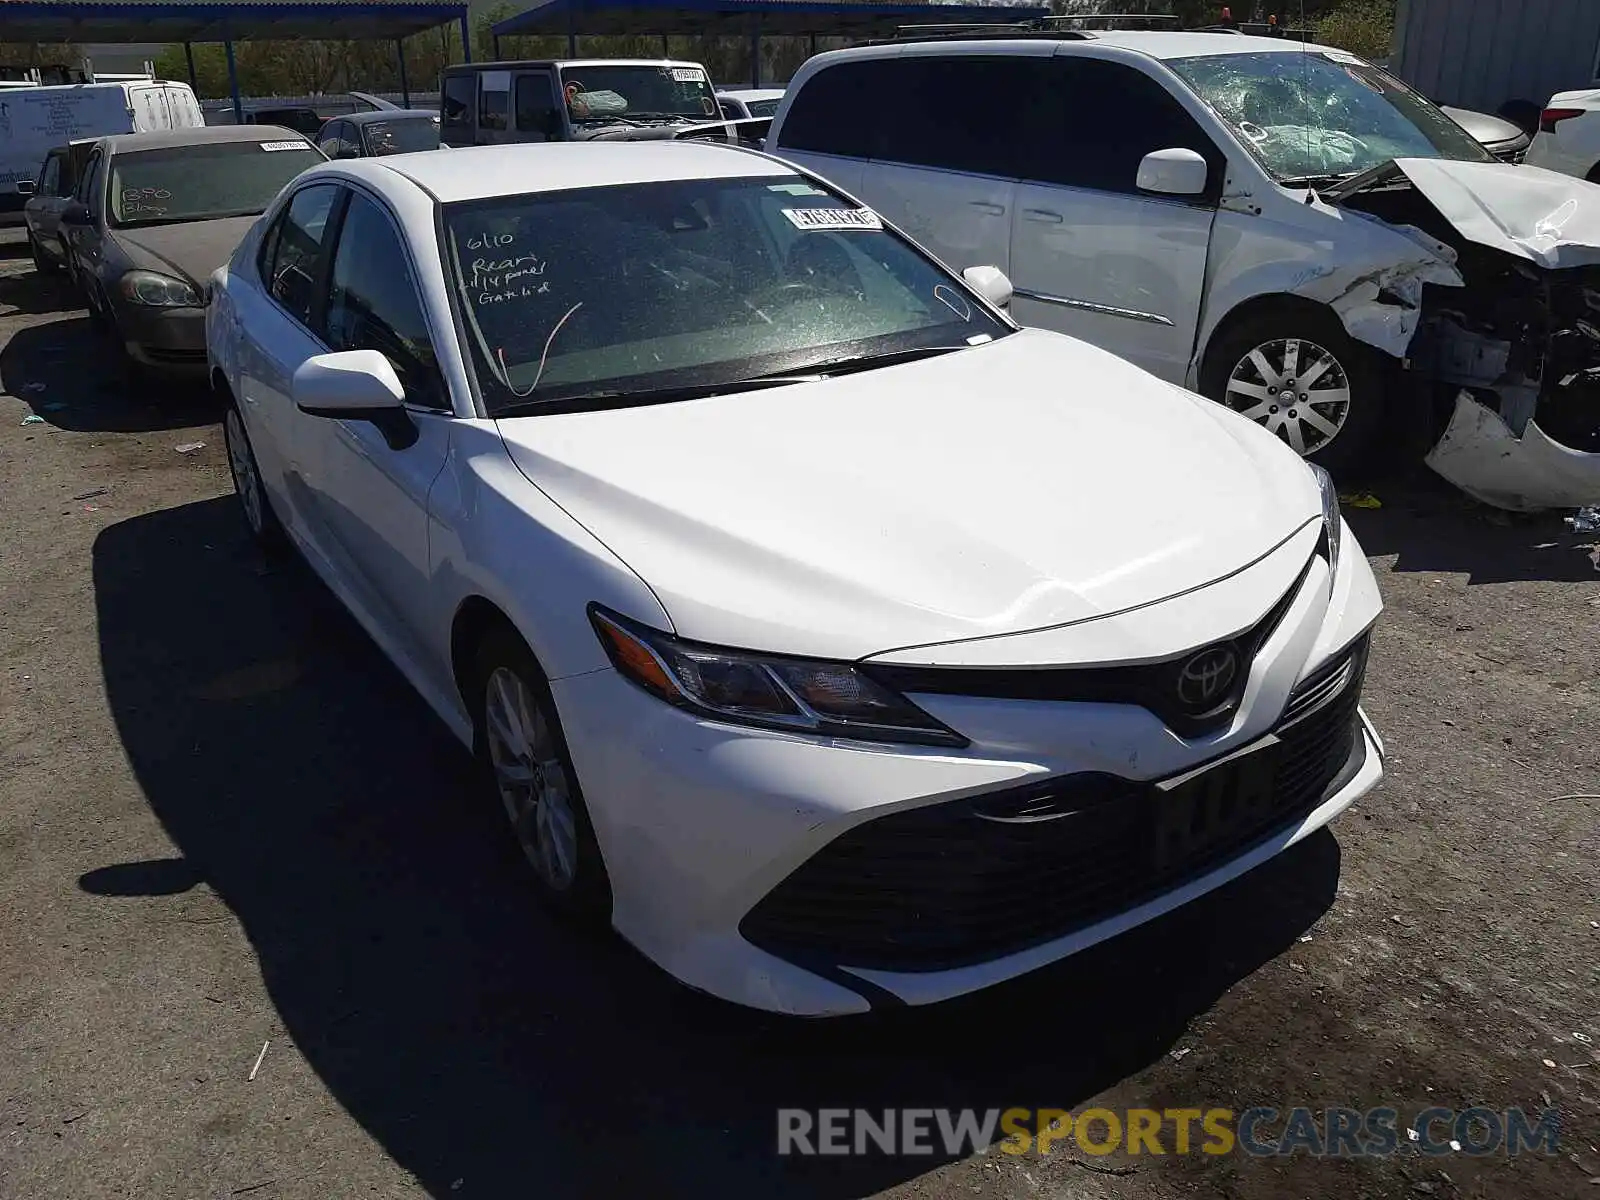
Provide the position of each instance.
(532, 782)
(243, 467)
(1296, 388)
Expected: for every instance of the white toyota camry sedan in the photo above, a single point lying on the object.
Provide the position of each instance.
(837, 641)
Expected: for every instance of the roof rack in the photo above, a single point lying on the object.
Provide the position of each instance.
(1110, 21)
(979, 32)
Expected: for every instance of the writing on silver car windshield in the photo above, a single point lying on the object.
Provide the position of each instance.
(684, 284)
(203, 182)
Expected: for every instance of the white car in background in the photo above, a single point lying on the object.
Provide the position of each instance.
(1286, 229)
(838, 642)
(1568, 140)
(741, 104)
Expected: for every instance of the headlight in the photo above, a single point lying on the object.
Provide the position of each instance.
(1332, 519)
(831, 699)
(159, 291)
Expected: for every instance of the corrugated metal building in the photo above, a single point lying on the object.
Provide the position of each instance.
(1480, 54)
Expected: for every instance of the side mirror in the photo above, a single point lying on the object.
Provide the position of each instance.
(990, 283)
(1173, 173)
(355, 385)
(76, 213)
(25, 187)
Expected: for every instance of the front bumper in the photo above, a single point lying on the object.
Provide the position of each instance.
(713, 834)
(170, 341)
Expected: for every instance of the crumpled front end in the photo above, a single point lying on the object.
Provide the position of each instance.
(1509, 356)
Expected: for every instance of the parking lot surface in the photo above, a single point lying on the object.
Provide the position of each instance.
(227, 824)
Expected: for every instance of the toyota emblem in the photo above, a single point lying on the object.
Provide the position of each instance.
(1206, 678)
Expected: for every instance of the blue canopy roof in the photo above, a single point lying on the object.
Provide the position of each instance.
(81, 21)
(858, 18)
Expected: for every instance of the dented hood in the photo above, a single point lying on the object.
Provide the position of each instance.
(1548, 219)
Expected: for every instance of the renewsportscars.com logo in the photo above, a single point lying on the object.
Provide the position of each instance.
(1260, 1132)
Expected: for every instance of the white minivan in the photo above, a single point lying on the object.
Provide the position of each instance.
(1280, 227)
(37, 120)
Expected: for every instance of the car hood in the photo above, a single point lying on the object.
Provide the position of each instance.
(1028, 483)
(1549, 219)
(190, 249)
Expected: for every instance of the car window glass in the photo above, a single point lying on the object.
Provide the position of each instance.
(373, 304)
(957, 113)
(494, 99)
(1089, 123)
(50, 176)
(537, 114)
(91, 193)
(296, 258)
(456, 104)
(838, 110)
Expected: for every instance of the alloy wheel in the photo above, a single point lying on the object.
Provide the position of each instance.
(529, 775)
(246, 481)
(1294, 387)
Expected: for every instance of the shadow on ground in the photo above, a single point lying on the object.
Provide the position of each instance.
(303, 781)
(1429, 526)
(73, 377)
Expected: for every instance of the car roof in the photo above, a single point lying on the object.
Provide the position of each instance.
(387, 114)
(124, 143)
(751, 93)
(1194, 44)
(478, 172)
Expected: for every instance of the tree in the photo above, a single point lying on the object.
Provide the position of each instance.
(1364, 27)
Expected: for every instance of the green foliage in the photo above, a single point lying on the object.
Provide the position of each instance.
(1364, 27)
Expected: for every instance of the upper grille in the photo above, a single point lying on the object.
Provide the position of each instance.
(953, 884)
(1152, 686)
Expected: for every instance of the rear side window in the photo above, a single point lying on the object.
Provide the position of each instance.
(956, 113)
(292, 257)
(1090, 122)
(838, 110)
(456, 104)
(494, 99)
(537, 113)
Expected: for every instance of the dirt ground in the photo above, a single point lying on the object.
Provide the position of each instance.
(226, 822)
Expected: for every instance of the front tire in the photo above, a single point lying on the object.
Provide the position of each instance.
(252, 493)
(1296, 372)
(523, 759)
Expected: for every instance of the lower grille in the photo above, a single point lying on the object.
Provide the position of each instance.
(954, 884)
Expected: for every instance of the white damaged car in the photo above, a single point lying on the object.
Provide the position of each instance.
(1289, 230)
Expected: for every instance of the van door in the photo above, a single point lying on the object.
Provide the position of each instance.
(946, 167)
(1091, 255)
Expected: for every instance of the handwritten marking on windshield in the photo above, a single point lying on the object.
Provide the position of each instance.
(500, 355)
(490, 241)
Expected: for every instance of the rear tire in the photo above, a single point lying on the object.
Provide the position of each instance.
(527, 771)
(1294, 370)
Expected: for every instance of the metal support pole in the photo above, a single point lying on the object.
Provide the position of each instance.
(666, 52)
(233, 83)
(496, 40)
(572, 34)
(194, 80)
(405, 85)
(813, 45)
(466, 41)
(755, 54)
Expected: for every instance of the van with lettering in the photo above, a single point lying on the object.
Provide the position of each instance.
(37, 120)
(580, 100)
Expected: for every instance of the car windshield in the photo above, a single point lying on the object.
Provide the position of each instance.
(403, 135)
(602, 295)
(203, 181)
(607, 91)
(1323, 113)
(761, 108)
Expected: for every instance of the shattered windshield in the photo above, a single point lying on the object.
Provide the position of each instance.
(1323, 113)
(639, 91)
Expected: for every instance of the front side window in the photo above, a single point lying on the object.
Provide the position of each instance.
(596, 92)
(50, 177)
(204, 181)
(957, 113)
(1133, 115)
(579, 297)
(1309, 116)
(292, 257)
(373, 305)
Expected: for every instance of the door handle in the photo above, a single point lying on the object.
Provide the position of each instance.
(1043, 215)
(994, 210)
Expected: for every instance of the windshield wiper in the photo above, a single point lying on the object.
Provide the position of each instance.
(696, 391)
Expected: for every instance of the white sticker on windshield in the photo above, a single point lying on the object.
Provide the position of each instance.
(688, 74)
(1341, 56)
(796, 189)
(282, 145)
(833, 218)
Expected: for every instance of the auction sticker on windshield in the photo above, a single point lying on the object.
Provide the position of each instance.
(282, 145)
(688, 74)
(833, 218)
